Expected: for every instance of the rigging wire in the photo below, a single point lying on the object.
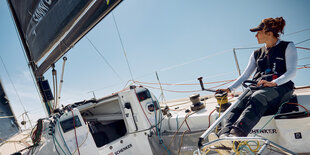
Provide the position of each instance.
(183, 91)
(104, 59)
(120, 38)
(302, 41)
(161, 89)
(283, 36)
(20, 101)
(199, 59)
(176, 84)
(242, 48)
(187, 81)
(304, 65)
(180, 91)
(297, 32)
(304, 58)
(209, 56)
(195, 60)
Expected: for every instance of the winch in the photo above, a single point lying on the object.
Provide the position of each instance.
(222, 101)
(196, 104)
(220, 95)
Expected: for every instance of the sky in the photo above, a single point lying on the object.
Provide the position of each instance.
(180, 40)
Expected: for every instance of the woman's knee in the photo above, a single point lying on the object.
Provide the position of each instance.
(259, 99)
(265, 95)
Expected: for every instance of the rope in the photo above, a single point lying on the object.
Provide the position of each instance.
(241, 145)
(187, 115)
(210, 116)
(302, 107)
(216, 129)
(176, 91)
(303, 48)
(77, 144)
(120, 38)
(181, 91)
(55, 145)
(82, 142)
(189, 129)
(63, 139)
(305, 66)
(54, 138)
(244, 143)
(221, 84)
(182, 141)
(36, 135)
(158, 130)
(143, 110)
(175, 84)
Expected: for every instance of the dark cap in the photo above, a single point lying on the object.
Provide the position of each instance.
(258, 28)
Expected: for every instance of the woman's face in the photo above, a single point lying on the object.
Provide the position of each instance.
(261, 36)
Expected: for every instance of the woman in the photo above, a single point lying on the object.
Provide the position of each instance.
(275, 66)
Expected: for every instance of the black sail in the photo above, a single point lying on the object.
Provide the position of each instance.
(49, 28)
(46, 26)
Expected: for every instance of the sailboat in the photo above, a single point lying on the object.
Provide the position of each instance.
(8, 120)
(133, 121)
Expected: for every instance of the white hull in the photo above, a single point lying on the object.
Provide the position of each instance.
(127, 130)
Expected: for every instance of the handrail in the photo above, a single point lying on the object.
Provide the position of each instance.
(266, 142)
(233, 105)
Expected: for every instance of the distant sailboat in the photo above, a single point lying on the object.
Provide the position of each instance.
(8, 122)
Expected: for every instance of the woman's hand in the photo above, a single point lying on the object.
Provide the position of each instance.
(266, 83)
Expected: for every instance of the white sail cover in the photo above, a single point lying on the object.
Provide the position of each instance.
(42, 24)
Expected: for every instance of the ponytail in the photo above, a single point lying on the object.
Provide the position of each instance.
(280, 24)
(274, 25)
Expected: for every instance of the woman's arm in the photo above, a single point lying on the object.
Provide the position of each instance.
(245, 75)
(291, 64)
